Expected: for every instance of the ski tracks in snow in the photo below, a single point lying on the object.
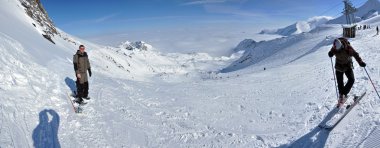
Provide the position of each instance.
(20, 106)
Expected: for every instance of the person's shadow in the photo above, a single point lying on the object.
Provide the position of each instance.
(71, 84)
(45, 135)
(316, 138)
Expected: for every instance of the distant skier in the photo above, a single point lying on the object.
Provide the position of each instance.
(81, 66)
(377, 30)
(344, 52)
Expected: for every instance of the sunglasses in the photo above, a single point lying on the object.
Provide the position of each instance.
(81, 48)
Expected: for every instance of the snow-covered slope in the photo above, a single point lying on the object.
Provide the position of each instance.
(140, 61)
(299, 27)
(268, 54)
(374, 21)
(143, 98)
(370, 9)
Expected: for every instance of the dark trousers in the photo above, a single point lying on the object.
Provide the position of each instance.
(82, 89)
(345, 89)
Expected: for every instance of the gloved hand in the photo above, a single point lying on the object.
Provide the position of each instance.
(362, 64)
(89, 72)
(331, 54)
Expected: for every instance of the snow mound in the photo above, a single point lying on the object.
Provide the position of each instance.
(299, 27)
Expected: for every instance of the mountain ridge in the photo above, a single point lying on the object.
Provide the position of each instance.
(368, 10)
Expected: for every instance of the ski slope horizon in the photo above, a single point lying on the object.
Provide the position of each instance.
(141, 97)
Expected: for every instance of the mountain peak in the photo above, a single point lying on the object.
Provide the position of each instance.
(299, 27)
(139, 45)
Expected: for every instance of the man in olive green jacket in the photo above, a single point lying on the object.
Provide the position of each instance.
(344, 52)
(81, 66)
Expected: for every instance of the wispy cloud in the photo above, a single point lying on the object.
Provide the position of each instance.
(91, 21)
(150, 18)
(105, 18)
(232, 9)
(201, 2)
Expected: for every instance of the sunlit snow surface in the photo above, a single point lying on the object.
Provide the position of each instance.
(143, 98)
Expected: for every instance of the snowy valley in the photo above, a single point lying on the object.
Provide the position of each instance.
(141, 97)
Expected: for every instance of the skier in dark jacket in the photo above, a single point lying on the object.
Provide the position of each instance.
(344, 52)
(81, 66)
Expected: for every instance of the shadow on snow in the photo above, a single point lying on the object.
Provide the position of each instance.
(71, 84)
(46, 133)
(316, 138)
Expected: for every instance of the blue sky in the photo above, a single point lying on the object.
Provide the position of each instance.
(93, 18)
(89, 17)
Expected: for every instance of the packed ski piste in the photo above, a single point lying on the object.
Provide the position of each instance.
(306, 88)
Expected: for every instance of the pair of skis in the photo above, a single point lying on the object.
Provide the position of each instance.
(348, 109)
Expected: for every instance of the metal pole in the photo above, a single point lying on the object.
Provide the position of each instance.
(372, 82)
(336, 89)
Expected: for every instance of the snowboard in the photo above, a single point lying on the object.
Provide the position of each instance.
(342, 113)
(76, 107)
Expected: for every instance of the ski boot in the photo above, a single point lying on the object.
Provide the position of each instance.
(80, 101)
(341, 101)
(87, 98)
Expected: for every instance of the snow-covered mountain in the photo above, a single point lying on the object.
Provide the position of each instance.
(280, 51)
(140, 45)
(141, 61)
(37, 75)
(299, 27)
(37, 12)
(245, 44)
(143, 98)
(369, 10)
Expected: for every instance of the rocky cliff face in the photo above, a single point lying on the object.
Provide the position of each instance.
(36, 11)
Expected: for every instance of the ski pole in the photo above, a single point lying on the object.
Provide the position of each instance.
(336, 90)
(372, 82)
